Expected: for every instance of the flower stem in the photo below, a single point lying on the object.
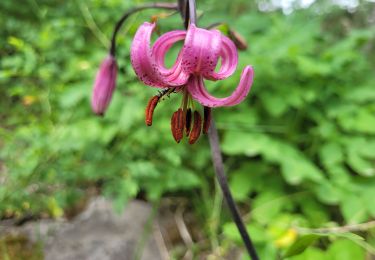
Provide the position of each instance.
(134, 10)
(222, 179)
(217, 160)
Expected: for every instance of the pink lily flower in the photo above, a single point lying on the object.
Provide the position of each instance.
(196, 61)
(104, 85)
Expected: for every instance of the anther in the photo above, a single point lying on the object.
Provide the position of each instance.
(188, 122)
(196, 130)
(149, 112)
(206, 120)
(178, 125)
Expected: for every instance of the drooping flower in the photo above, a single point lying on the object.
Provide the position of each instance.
(104, 85)
(196, 61)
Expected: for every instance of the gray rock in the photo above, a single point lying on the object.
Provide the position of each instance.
(99, 233)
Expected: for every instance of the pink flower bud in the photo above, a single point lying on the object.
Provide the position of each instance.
(104, 85)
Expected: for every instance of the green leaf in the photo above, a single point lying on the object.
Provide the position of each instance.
(241, 184)
(274, 104)
(331, 154)
(295, 166)
(268, 205)
(257, 232)
(368, 197)
(311, 253)
(360, 241)
(300, 245)
(353, 209)
(361, 165)
(361, 120)
(142, 169)
(345, 250)
(328, 193)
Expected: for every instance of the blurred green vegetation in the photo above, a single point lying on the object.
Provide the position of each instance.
(299, 152)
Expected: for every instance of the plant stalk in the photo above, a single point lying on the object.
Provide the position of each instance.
(126, 15)
(217, 160)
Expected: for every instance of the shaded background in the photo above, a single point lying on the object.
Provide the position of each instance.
(299, 151)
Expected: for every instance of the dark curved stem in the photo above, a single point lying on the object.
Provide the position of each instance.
(190, 16)
(192, 12)
(134, 10)
(222, 179)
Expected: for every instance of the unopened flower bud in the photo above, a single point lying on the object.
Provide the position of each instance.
(104, 85)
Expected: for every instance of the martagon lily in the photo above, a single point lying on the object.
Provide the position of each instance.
(196, 61)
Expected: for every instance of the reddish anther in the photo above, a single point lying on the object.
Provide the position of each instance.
(196, 130)
(206, 120)
(188, 121)
(178, 125)
(150, 109)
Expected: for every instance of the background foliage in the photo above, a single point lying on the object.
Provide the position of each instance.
(299, 151)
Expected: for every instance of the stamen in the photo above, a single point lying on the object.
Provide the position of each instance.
(150, 109)
(177, 125)
(196, 131)
(206, 120)
(188, 121)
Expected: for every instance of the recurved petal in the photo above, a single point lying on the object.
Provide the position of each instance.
(142, 60)
(104, 85)
(201, 50)
(199, 92)
(175, 75)
(229, 60)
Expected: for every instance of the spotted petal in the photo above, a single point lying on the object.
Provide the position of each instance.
(160, 49)
(198, 91)
(201, 50)
(145, 65)
(229, 60)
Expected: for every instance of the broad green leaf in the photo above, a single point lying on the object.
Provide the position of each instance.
(353, 209)
(343, 249)
(257, 232)
(300, 245)
(331, 154)
(368, 199)
(295, 166)
(267, 206)
(311, 253)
